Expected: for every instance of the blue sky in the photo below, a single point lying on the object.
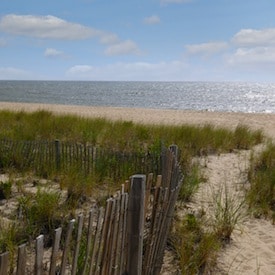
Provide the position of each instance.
(160, 40)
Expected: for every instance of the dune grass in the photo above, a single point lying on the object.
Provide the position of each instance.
(44, 125)
(196, 249)
(125, 136)
(261, 194)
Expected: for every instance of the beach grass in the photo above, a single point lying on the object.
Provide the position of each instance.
(261, 194)
(123, 136)
(195, 248)
(45, 125)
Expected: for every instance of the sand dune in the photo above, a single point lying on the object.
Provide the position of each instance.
(252, 250)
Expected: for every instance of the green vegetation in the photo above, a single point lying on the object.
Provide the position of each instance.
(5, 190)
(191, 183)
(41, 212)
(196, 247)
(10, 237)
(261, 195)
(197, 237)
(227, 213)
(119, 137)
(123, 135)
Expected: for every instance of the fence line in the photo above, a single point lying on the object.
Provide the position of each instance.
(128, 236)
(49, 156)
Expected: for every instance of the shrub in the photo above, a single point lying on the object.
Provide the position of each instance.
(41, 212)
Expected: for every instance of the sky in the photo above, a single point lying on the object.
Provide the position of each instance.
(145, 40)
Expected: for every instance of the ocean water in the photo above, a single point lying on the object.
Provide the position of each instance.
(211, 96)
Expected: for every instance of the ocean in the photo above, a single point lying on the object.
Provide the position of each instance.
(211, 96)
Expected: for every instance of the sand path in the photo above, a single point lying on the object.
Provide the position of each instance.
(252, 248)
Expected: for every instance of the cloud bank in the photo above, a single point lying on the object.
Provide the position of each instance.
(54, 28)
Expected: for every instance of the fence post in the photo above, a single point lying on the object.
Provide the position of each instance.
(39, 250)
(57, 154)
(4, 263)
(21, 260)
(175, 150)
(135, 224)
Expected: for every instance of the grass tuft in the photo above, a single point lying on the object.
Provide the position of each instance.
(261, 194)
(196, 249)
(228, 212)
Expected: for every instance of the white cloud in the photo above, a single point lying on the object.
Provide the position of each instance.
(50, 52)
(209, 48)
(124, 47)
(151, 20)
(251, 37)
(175, 70)
(50, 27)
(255, 49)
(80, 69)
(253, 56)
(108, 38)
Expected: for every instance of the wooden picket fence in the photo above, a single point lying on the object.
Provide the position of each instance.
(127, 236)
(44, 157)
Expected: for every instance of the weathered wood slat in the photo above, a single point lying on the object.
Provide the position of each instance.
(160, 226)
(78, 240)
(164, 232)
(4, 263)
(103, 239)
(123, 246)
(109, 241)
(135, 229)
(89, 240)
(39, 251)
(96, 244)
(148, 193)
(107, 235)
(67, 247)
(116, 238)
(55, 249)
(154, 230)
(21, 260)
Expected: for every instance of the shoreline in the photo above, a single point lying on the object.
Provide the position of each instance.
(262, 121)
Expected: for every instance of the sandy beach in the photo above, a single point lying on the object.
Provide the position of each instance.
(252, 250)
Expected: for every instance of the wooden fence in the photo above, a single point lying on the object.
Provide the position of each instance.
(128, 236)
(44, 157)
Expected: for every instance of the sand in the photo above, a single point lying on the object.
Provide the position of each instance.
(252, 248)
